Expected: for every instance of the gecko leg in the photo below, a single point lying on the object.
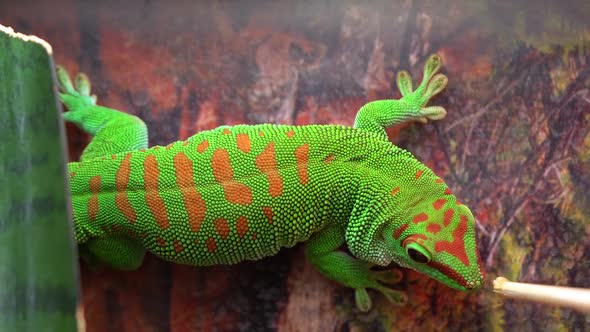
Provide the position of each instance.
(322, 251)
(380, 114)
(113, 131)
(118, 252)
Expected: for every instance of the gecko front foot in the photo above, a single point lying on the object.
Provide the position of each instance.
(378, 280)
(431, 85)
(380, 114)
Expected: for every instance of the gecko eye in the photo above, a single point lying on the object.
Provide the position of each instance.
(417, 253)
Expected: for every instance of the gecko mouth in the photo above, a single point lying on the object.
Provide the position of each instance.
(473, 282)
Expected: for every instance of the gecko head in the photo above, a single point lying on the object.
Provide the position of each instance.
(436, 236)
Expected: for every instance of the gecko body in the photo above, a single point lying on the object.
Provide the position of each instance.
(244, 192)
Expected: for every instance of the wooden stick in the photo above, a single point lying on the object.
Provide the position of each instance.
(576, 298)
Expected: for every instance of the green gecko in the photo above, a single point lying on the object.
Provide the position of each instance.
(243, 192)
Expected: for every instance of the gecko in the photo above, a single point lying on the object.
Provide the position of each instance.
(243, 192)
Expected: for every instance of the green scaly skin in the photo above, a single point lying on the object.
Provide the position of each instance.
(244, 192)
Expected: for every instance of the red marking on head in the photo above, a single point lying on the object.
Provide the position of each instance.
(302, 157)
(418, 238)
(398, 232)
(235, 192)
(151, 174)
(421, 217)
(243, 142)
(221, 227)
(226, 131)
(266, 162)
(449, 213)
(450, 273)
(458, 202)
(439, 180)
(419, 174)
(433, 228)
(261, 133)
(178, 246)
(290, 133)
(267, 210)
(394, 191)
(114, 157)
(448, 191)
(94, 184)
(457, 247)
(242, 226)
(161, 242)
(211, 244)
(194, 204)
(121, 182)
(202, 147)
(439, 203)
(329, 158)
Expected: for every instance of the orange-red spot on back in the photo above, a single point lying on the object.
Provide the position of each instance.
(419, 174)
(394, 191)
(202, 147)
(398, 232)
(226, 131)
(267, 210)
(211, 244)
(439, 180)
(161, 242)
(178, 246)
(194, 204)
(421, 217)
(221, 227)
(235, 192)
(449, 213)
(261, 133)
(439, 203)
(94, 185)
(302, 157)
(121, 182)
(433, 228)
(329, 158)
(290, 133)
(266, 162)
(243, 142)
(448, 191)
(72, 175)
(242, 226)
(114, 157)
(169, 146)
(457, 246)
(154, 201)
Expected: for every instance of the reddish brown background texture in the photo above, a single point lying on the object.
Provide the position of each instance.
(514, 146)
